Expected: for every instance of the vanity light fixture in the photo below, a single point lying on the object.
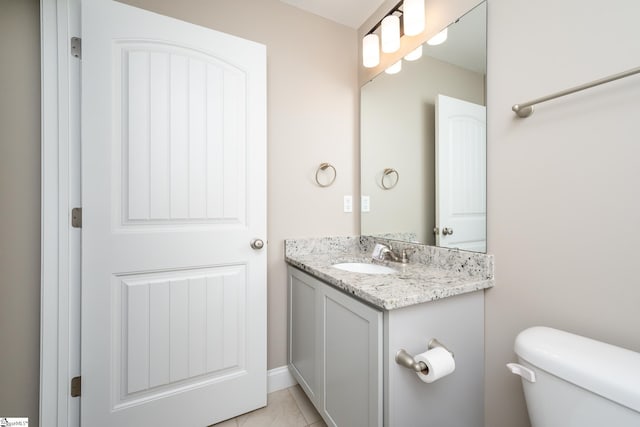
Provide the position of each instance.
(413, 16)
(406, 17)
(439, 38)
(390, 30)
(395, 68)
(370, 50)
(414, 54)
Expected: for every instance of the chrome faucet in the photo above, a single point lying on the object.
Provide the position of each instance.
(381, 252)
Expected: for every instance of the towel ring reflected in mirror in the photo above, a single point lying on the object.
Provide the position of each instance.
(323, 167)
(393, 175)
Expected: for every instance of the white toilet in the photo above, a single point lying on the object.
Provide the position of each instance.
(573, 381)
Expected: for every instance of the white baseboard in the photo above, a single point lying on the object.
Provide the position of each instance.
(279, 378)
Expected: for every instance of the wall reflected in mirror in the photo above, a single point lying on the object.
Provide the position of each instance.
(427, 123)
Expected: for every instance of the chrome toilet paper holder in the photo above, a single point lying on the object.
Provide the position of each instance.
(403, 358)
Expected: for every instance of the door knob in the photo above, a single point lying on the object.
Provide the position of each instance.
(447, 231)
(257, 244)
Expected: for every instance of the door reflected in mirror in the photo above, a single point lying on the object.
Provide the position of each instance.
(428, 124)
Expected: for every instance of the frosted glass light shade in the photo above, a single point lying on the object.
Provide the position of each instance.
(370, 50)
(390, 34)
(395, 68)
(439, 38)
(413, 15)
(414, 54)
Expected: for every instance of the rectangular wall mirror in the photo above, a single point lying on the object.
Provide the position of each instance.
(423, 143)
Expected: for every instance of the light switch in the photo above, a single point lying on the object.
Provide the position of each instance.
(348, 204)
(364, 204)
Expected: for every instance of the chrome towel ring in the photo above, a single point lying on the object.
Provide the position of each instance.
(323, 167)
(389, 172)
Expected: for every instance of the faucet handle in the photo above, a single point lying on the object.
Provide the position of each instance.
(406, 253)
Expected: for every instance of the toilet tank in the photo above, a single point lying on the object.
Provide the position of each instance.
(578, 381)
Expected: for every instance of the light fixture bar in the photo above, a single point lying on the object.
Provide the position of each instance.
(395, 9)
(406, 17)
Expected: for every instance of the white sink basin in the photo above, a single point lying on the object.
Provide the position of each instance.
(363, 267)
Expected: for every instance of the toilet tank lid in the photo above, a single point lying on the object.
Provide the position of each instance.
(610, 371)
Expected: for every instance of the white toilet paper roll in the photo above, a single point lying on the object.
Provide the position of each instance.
(439, 363)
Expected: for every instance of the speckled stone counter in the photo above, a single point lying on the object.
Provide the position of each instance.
(432, 273)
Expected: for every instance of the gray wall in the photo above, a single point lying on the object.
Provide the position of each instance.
(563, 184)
(20, 208)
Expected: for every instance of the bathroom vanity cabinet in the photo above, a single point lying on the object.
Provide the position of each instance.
(341, 350)
(335, 351)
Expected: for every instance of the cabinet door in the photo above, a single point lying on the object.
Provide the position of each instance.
(352, 349)
(303, 352)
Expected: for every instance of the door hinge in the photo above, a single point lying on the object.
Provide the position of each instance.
(76, 47)
(76, 217)
(76, 387)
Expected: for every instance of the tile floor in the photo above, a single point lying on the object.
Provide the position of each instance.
(285, 408)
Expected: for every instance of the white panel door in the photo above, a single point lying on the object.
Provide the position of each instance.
(173, 189)
(461, 170)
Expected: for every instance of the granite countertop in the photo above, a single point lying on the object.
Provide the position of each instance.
(427, 279)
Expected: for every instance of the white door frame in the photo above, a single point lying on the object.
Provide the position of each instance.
(60, 190)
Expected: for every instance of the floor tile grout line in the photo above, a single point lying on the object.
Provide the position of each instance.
(303, 397)
(297, 405)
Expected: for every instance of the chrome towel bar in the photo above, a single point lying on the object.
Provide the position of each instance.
(526, 108)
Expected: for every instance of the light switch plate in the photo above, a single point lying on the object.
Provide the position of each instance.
(365, 205)
(348, 204)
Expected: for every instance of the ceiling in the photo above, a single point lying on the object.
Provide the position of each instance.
(351, 13)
